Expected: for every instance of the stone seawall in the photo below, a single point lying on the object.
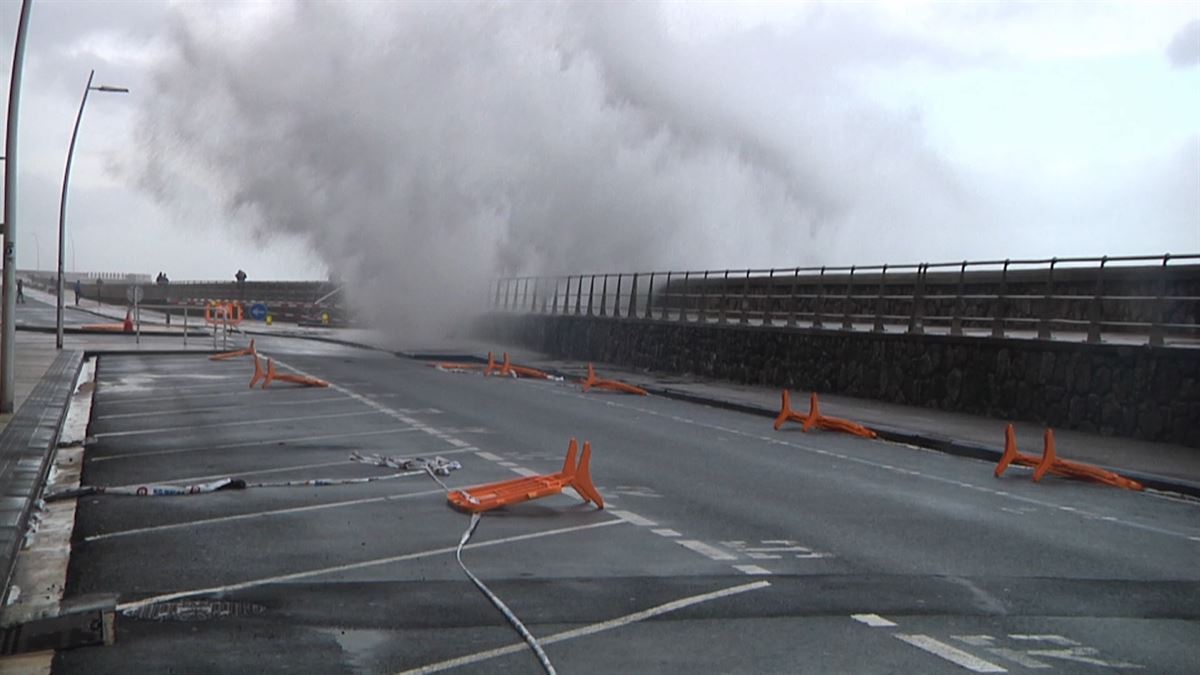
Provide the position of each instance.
(1138, 392)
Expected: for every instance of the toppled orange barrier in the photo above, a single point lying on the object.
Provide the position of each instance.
(494, 495)
(614, 385)
(125, 326)
(270, 375)
(1050, 463)
(248, 351)
(814, 418)
(456, 367)
(507, 369)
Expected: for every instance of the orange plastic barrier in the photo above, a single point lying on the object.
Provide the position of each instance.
(593, 381)
(507, 369)
(248, 351)
(494, 495)
(814, 418)
(455, 366)
(224, 312)
(1050, 463)
(125, 326)
(270, 375)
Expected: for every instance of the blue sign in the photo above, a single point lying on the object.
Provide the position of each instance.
(258, 311)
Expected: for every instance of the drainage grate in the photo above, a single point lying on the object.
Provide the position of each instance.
(194, 610)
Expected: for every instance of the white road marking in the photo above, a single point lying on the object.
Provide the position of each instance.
(489, 456)
(523, 471)
(117, 400)
(213, 425)
(666, 532)
(456, 442)
(633, 518)
(872, 620)
(241, 406)
(706, 550)
(1017, 657)
(752, 569)
(508, 464)
(247, 444)
(952, 654)
(591, 629)
(308, 574)
(258, 514)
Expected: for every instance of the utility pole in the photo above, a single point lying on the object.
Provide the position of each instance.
(8, 306)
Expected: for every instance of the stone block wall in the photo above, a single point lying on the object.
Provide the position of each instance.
(1132, 391)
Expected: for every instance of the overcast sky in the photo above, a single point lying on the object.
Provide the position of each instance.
(548, 138)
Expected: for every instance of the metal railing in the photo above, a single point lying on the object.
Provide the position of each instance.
(1135, 299)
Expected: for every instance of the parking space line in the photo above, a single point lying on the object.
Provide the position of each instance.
(236, 406)
(247, 444)
(258, 514)
(752, 569)
(320, 571)
(666, 532)
(952, 654)
(590, 629)
(117, 400)
(523, 471)
(633, 518)
(872, 620)
(137, 432)
(488, 456)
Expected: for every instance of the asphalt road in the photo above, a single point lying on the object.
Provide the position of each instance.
(37, 314)
(724, 547)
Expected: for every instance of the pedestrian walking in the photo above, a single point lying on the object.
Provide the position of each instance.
(78, 291)
(21, 291)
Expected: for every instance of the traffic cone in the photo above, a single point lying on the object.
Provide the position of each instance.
(128, 325)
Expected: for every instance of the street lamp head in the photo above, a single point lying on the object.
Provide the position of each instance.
(115, 90)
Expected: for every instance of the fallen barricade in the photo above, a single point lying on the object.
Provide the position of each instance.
(814, 418)
(1050, 463)
(612, 385)
(494, 495)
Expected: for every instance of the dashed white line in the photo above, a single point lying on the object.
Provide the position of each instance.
(508, 464)
(752, 569)
(952, 654)
(872, 620)
(633, 518)
(523, 471)
(488, 456)
(704, 549)
(666, 532)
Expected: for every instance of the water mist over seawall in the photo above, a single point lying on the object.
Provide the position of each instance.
(424, 149)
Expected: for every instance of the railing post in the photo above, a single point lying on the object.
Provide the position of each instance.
(496, 302)
(767, 297)
(724, 299)
(650, 297)
(702, 303)
(525, 296)
(683, 309)
(1096, 310)
(792, 299)
(956, 319)
(534, 298)
(1044, 332)
(591, 293)
(554, 304)
(666, 298)
(998, 315)
(819, 306)
(604, 297)
(916, 322)
(745, 299)
(847, 323)
(617, 299)
(632, 310)
(879, 300)
(1160, 307)
(507, 293)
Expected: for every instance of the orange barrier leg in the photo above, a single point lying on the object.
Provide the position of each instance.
(816, 419)
(455, 366)
(259, 373)
(613, 385)
(495, 495)
(786, 413)
(304, 380)
(248, 351)
(1050, 463)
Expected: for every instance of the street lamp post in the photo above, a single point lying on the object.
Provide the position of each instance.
(62, 207)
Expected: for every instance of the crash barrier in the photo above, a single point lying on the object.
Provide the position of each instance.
(125, 326)
(508, 369)
(456, 367)
(1050, 463)
(614, 385)
(814, 418)
(415, 466)
(248, 351)
(494, 495)
(270, 375)
(225, 313)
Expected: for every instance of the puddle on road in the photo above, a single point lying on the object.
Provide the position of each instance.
(194, 610)
(124, 384)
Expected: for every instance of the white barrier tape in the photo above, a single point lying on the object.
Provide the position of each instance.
(508, 614)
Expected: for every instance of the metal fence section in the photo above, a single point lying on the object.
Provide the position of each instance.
(1131, 299)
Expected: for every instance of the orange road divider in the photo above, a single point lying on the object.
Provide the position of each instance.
(494, 495)
(1050, 463)
(455, 367)
(507, 369)
(270, 375)
(814, 418)
(232, 313)
(248, 351)
(593, 381)
(125, 326)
